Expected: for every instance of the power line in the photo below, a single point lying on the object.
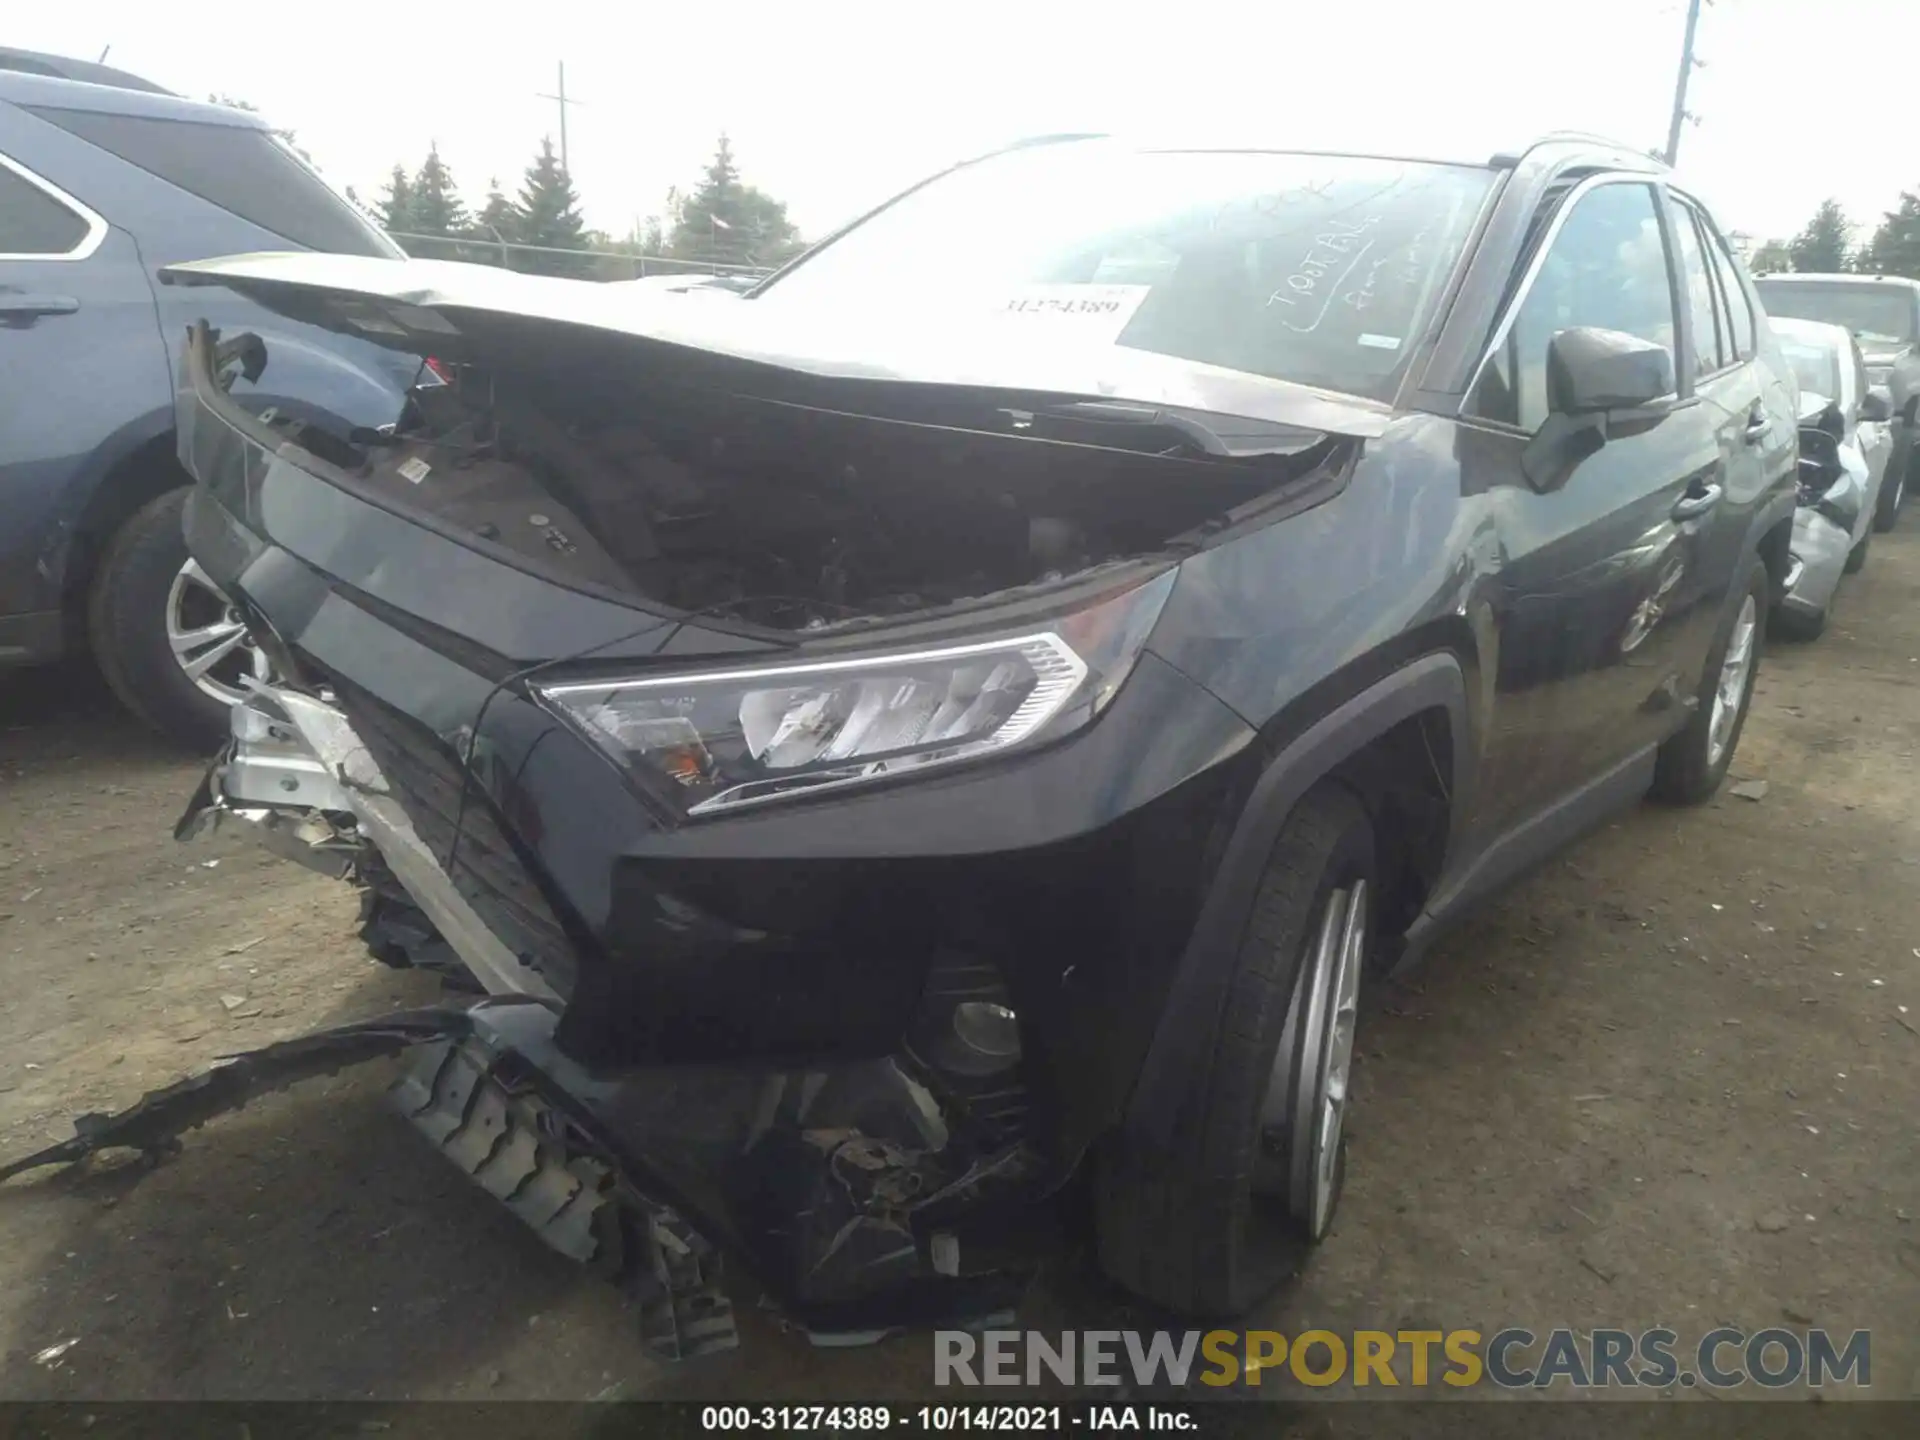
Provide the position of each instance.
(1687, 62)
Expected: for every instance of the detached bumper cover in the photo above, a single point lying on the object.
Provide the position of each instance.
(1820, 556)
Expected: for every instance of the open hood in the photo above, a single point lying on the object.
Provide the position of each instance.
(447, 309)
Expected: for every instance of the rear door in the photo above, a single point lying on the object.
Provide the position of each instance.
(1753, 423)
(1595, 648)
(81, 357)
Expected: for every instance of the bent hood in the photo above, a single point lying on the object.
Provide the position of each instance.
(452, 311)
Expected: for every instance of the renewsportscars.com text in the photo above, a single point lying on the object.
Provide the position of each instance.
(1511, 1359)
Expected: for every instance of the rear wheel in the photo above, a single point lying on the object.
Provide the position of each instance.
(1694, 762)
(1251, 1185)
(1893, 489)
(170, 645)
(1857, 556)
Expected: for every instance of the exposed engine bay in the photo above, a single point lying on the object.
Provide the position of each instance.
(783, 514)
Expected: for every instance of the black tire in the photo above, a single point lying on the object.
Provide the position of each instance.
(1797, 626)
(126, 624)
(1857, 556)
(1685, 774)
(1893, 488)
(1187, 1230)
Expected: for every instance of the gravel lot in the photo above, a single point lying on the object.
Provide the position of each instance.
(1671, 1079)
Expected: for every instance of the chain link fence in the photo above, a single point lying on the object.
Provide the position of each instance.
(569, 264)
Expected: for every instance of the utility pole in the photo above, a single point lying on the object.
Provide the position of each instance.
(561, 99)
(1687, 62)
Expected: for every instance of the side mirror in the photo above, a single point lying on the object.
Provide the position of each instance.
(1598, 382)
(1876, 406)
(1590, 372)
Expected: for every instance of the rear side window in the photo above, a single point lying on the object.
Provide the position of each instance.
(1711, 349)
(33, 223)
(1733, 294)
(244, 171)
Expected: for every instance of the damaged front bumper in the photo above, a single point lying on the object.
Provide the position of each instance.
(849, 1191)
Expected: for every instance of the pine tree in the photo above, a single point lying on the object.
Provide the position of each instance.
(436, 207)
(727, 220)
(1823, 247)
(549, 209)
(1895, 247)
(497, 216)
(395, 205)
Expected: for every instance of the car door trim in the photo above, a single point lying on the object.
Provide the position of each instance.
(96, 226)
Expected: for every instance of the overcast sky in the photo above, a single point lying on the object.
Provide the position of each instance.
(834, 104)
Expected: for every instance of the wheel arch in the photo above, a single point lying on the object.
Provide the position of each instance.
(1375, 740)
(144, 465)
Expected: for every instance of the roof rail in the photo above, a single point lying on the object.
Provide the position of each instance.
(62, 67)
(1507, 159)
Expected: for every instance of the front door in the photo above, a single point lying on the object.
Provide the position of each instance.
(1594, 660)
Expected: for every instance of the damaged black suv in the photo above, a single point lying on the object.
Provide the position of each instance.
(977, 709)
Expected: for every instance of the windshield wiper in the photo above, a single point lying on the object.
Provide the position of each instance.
(1225, 437)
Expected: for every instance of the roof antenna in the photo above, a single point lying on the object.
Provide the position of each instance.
(103, 53)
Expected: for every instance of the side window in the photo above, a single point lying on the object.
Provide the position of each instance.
(1606, 268)
(1733, 295)
(33, 223)
(1711, 351)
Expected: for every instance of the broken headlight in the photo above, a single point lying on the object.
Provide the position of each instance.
(726, 739)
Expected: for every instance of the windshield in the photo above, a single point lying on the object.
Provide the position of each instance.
(1880, 315)
(1816, 367)
(1321, 270)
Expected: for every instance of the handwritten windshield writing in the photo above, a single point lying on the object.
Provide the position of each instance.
(1323, 272)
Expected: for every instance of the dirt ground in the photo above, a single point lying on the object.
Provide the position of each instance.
(1674, 1078)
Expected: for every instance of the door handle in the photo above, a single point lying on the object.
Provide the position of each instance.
(1692, 506)
(28, 308)
(1758, 426)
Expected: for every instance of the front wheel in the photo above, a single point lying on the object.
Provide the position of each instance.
(170, 645)
(1253, 1182)
(1692, 763)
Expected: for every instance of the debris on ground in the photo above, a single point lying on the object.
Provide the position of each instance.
(1749, 790)
(51, 1355)
(1771, 1223)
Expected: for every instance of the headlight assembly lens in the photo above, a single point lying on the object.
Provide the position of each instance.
(742, 737)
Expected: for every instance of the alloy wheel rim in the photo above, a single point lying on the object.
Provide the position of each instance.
(1730, 691)
(1303, 1114)
(209, 638)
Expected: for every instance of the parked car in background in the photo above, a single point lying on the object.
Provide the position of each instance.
(999, 733)
(1844, 444)
(100, 185)
(1883, 312)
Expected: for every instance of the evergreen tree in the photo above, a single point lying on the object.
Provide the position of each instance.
(1895, 247)
(497, 216)
(436, 207)
(395, 205)
(1825, 244)
(549, 211)
(725, 219)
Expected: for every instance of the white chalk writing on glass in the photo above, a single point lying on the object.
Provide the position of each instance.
(1322, 272)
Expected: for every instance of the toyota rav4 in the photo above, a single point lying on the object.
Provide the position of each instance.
(980, 708)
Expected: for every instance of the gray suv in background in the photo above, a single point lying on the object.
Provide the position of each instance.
(1883, 312)
(103, 180)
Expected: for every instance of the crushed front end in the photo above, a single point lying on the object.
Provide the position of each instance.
(785, 757)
